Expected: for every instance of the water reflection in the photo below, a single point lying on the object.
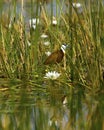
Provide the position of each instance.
(27, 107)
(31, 8)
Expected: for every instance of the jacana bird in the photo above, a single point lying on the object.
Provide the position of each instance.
(56, 57)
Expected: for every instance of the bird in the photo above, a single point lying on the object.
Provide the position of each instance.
(56, 57)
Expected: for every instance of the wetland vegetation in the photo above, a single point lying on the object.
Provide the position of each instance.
(63, 96)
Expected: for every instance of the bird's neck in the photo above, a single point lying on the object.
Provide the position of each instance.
(62, 50)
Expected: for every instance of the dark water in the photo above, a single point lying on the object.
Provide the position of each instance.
(29, 7)
(25, 106)
(32, 9)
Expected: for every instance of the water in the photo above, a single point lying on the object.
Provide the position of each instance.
(26, 107)
(27, 9)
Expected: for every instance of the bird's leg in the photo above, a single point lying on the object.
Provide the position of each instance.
(64, 58)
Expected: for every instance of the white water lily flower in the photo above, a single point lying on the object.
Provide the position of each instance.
(34, 27)
(44, 36)
(77, 5)
(46, 43)
(65, 101)
(52, 75)
(33, 22)
(48, 53)
(54, 21)
(51, 122)
(28, 43)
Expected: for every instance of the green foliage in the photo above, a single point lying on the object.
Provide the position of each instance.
(32, 94)
(22, 52)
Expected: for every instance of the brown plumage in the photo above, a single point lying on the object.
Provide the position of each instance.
(55, 57)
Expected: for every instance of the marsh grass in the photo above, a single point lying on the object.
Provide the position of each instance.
(28, 99)
(83, 32)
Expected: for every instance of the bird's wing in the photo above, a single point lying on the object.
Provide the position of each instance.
(52, 58)
(60, 56)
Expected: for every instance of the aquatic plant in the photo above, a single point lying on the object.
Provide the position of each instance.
(22, 50)
(52, 75)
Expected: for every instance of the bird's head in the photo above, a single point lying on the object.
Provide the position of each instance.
(63, 47)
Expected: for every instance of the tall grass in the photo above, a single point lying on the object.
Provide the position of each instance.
(83, 32)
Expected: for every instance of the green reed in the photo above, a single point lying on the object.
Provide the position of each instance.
(22, 54)
(83, 32)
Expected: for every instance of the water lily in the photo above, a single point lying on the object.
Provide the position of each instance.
(48, 53)
(65, 101)
(54, 21)
(34, 27)
(28, 43)
(52, 75)
(51, 122)
(33, 22)
(46, 43)
(44, 36)
(77, 5)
